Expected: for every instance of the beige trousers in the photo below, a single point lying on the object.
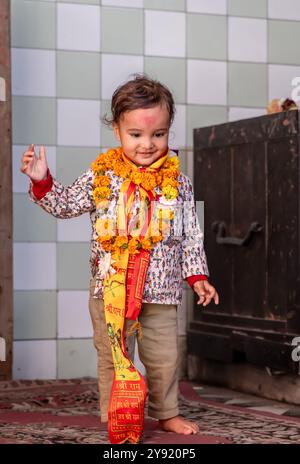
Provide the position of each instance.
(158, 351)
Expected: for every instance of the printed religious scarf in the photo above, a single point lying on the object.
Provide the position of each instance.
(123, 292)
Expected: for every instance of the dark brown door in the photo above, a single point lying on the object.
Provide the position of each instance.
(247, 173)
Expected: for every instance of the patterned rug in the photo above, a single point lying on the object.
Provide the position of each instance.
(66, 411)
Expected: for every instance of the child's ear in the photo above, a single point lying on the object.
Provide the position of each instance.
(116, 130)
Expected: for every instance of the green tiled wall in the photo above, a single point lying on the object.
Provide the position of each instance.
(207, 37)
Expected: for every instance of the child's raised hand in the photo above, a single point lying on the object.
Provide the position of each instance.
(206, 292)
(33, 166)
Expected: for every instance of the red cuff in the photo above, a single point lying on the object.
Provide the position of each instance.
(41, 187)
(194, 278)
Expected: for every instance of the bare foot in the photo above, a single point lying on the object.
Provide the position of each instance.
(179, 424)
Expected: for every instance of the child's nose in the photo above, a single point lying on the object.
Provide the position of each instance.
(148, 143)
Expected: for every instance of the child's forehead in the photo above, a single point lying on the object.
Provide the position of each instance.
(157, 115)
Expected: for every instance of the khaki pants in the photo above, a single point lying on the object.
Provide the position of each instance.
(158, 351)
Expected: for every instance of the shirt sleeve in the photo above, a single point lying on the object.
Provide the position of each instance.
(194, 261)
(64, 202)
(195, 278)
(42, 187)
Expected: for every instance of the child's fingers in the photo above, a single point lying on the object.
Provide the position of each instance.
(201, 298)
(216, 298)
(207, 301)
(42, 155)
(26, 160)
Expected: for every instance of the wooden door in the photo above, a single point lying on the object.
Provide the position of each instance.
(248, 176)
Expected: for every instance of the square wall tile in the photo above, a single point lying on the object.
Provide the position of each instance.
(172, 5)
(29, 273)
(200, 213)
(76, 358)
(207, 6)
(123, 66)
(35, 359)
(189, 156)
(182, 160)
(88, 2)
(73, 316)
(207, 36)
(78, 122)
(177, 137)
(129, 3)
(202, 116)
(284, 37)
(78, 75)
(241, 46)
(72, 162)
(74, 230)
(108, 138)
(165, 33)
(115, 38)
(34, 120)
(33, 72)
(34, 315)
(30, 222)
(170, 72)
(289, 9)
(284, 82)
(207, 82)
(247, 84)
(78, 27)
(33, 24)
(236, 114)
(21, 182)
(73, 268)
(255, 8)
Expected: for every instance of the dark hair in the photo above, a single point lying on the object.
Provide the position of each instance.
(140, 92)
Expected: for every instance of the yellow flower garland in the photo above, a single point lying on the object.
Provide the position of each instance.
(166, 178)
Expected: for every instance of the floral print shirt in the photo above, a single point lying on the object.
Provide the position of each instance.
(179, 255)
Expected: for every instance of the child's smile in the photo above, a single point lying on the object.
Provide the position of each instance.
(144, 134)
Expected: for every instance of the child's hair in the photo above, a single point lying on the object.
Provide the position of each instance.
(140, 92)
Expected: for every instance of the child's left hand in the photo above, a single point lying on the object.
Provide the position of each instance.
(206, 292)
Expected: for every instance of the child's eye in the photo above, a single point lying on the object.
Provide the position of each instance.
(135, 135)
(161, 134)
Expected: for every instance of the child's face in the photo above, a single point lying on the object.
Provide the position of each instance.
(144, 134)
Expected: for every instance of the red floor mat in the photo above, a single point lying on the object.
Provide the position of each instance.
(66, 411)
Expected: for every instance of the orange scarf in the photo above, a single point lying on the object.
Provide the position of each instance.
(123, 293)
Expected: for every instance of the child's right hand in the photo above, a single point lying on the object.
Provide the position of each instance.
(34, 167)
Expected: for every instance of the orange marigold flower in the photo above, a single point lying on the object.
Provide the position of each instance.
(169, 192)
(171, 173)
(101, 181)
(146, 244)
(106, 244)
(102, 192)
(149, 181)
(157, 238)
(174, 161)
(133, 246)
(121, 241)
(169, 181)
(136, 177)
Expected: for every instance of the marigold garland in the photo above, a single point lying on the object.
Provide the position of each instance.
(166, 178)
